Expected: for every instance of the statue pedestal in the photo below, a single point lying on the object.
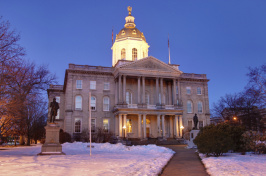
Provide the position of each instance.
(52, 145)
(193, 134)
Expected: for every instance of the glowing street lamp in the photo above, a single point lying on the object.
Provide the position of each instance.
(235, 118)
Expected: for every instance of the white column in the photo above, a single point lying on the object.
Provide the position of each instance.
(174, 91)
(125, 124)
(163, 126)
(171, 127)
(143, 90)
(124, 88)
(119, 89)
(120, 127)
(138, 90)
(180, 125)
(139, 125)
(175, 126)
(161, 90)
(144, 126)
(158, 126)
(157, 91)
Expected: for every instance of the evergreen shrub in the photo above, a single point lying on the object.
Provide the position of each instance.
(215, 139)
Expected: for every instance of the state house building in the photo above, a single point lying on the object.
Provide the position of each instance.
(138, 97)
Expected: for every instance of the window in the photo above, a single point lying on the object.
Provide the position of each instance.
(190, 125)
(92, 84)
(199, 107)
(198, 90)
(123, 53)
(134, 54)
(176, 90)
(106, 125)
(79, 84)
(147, 98)
(188, 90)
(129, 126)
(93, 125)
(93, 103)
(128, 97)
(78, 102)
(77, 125)
(58, 111)
(106, 86)
(189, 107)
(200, 124)
(177, 102)
(105, 103)
(134, 32)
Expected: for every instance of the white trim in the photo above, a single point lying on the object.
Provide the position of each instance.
(76, 102)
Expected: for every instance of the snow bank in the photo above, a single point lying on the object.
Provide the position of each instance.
(235, 164)
(106, 159)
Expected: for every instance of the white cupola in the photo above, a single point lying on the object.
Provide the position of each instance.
(130, 44)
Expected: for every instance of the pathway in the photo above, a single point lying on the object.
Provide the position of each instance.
(185, 162)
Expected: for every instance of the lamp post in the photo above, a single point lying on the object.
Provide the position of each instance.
(124, 127)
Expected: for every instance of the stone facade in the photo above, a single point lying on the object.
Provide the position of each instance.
(136, 98)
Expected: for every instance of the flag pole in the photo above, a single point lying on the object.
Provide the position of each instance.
(90, 119)
(169, 50)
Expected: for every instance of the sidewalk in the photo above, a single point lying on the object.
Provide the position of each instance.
(185, 162)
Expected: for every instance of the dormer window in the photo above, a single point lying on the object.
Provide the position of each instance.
(134, 32)
(123, 32)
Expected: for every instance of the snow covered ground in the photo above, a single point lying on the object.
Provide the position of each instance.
(107, 159)
(235, 164)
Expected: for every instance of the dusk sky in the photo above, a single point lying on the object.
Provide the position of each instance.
(220, 38)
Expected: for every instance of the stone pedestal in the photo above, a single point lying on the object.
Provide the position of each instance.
(52, 145)
(193, 134)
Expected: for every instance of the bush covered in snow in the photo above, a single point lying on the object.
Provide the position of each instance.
(218, 139)
(254, 141)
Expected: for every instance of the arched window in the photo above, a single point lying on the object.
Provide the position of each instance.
(106, 102)
(93, 103)
(123, 53)
(189, 106)
(128, 97)
(200, 107)
(77, 125)
(78, 102)
(134, 54)
(147, 98)
(177, 102)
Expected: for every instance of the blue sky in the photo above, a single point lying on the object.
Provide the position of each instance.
(220, 38)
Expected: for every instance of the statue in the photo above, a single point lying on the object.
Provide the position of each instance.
(195, 120)
(54, 107)
(129, 10)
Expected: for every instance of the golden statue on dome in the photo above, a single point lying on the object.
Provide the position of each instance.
(129, 10)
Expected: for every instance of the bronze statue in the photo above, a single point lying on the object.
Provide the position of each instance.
(54, 107)
(195, 120)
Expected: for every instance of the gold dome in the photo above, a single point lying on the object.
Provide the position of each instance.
(130, 32)
(130, 29)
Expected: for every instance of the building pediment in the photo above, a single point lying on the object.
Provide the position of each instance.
(150, 64)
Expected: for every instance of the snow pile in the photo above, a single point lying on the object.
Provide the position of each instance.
(106, 159)
(235, 164)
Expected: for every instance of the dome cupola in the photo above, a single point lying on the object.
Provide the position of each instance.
(130, 43)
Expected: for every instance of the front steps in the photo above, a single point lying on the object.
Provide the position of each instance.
(159, 141)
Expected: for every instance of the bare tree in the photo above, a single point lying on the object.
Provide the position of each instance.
(257, 82)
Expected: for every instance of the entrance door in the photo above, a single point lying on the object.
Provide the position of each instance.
(147, 132)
